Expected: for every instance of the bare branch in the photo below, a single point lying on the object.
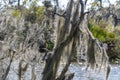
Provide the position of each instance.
(86, 2)
(8, 68)
(61, 15)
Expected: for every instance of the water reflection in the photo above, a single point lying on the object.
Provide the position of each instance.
(80, 73)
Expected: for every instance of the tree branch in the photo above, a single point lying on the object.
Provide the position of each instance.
(61, 15)
(8, 68)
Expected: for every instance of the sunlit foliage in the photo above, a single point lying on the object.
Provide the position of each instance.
(16, 13)
(101, 33)
(35, 14)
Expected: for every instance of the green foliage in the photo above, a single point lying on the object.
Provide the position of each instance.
(95, 5)
(74, 58)
(49, 45)
(15, 13)
(105, 36)
(39, 10)
(100, 33)
(117, 45)
(35, 14)
(24, 2)
(31, 2)
(39, 14)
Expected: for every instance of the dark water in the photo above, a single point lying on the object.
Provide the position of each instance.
(80, 73)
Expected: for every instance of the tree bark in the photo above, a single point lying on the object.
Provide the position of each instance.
(69, 33)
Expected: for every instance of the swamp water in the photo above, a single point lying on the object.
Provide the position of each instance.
(79, 70)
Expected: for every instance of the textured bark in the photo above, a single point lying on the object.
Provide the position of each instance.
(66, 35)
(18, 3)
(93, 56)
(91, 53)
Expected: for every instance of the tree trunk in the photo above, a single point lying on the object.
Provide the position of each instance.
(18, 4)
(68, 33)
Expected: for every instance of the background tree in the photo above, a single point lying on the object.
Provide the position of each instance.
(68, 36)
(58, 35)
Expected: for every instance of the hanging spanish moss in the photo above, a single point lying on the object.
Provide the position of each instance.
(93, 51)
(44, 42)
